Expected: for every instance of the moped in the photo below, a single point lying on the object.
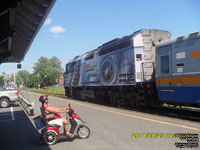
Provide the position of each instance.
(51, 134)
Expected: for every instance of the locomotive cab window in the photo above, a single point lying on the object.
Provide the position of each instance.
(71, 68)
(89, 56)
(139, 57)
(67, 68)
(165, 64)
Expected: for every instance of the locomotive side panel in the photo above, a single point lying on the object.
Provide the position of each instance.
(89, 70)
(117, 68)
(117, 71)
(111, 65)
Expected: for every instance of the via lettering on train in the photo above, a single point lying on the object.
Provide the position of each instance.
(195, 54)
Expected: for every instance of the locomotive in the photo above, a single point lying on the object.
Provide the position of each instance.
(141, 69)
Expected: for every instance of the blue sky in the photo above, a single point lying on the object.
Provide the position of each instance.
(74, 27)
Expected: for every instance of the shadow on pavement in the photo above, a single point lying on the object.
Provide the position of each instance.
(18, 134)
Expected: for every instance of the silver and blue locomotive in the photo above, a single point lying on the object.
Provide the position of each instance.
(129, 71)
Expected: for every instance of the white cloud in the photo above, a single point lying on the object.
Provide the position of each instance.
(57, 29)
(48, 21)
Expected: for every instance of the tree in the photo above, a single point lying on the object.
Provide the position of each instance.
(11, 79)
(48, 70)
(22, 77)
(56, 63)
(42, 63)
(1, 81)
(32, 81)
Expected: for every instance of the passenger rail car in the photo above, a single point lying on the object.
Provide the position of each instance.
(120, 72)
(178, 70)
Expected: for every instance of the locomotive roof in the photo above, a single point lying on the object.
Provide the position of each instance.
(120, 42)
(82, 56)
(178, 39)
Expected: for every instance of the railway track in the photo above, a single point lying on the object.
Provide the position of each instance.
(185, 114)
(174, 112)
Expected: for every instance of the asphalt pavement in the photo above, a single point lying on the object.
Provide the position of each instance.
(111, 128)
(17, 131)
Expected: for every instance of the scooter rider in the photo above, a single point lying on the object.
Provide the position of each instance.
(56, 111)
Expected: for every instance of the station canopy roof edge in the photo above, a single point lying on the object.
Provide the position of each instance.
(20, 21)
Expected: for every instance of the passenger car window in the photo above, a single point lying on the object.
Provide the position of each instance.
(180, 64)
(164, 64)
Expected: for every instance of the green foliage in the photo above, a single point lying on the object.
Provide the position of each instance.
(1, 81)
(32, 81)
(48, 70)
(11, 79)
(22, 77)
(46, 73)
(56, 63)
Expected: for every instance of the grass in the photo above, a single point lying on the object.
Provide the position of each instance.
(50, 91)
(187, 107)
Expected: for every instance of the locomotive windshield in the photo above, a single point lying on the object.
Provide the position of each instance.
(70, 67)
(67, 68)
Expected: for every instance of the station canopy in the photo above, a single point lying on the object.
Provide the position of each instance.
(20, 21)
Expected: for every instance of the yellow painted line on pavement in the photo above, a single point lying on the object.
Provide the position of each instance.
(134, 116)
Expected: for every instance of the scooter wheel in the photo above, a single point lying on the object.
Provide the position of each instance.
(50, 137)
(83, 132)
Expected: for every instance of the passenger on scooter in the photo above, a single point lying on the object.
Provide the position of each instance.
(56, 111)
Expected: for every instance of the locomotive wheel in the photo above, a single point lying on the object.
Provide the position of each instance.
(83, 132)
(50, 138)
(134, 102)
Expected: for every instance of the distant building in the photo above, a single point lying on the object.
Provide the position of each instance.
(61, 80)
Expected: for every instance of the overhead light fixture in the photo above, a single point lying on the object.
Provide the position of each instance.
(19, 66)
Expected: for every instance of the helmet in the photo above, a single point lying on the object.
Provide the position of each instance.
(43, 98)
